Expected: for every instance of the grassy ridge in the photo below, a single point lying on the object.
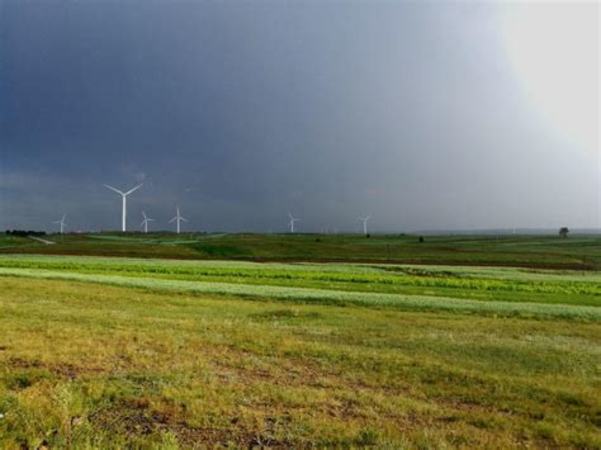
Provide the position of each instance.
(95, 366)
(579, 252)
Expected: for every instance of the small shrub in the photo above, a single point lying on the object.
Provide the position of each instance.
(367, 436)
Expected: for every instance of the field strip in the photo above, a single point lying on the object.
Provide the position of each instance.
(298, 294)
(43, 241)
(47, 262)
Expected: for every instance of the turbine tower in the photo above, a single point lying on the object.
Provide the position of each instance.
(145, 221)
(61, 223)
(124, 197)
(364, 220)
(291, 222)
(178, 218)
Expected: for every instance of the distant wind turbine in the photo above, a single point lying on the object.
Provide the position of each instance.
(61, 223)
(364, 220)
(145, 221)
(124, 197)
(292, 222)
(178, 218)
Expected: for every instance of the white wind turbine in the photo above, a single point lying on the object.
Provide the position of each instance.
(365, 220)
(291, 222)
(145, 221)
(179, 219)
(61, 223)
(124, 197)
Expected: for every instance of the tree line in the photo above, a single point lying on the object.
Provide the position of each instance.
(25, 233)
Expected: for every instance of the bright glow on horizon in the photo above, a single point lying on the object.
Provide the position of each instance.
(554, 51)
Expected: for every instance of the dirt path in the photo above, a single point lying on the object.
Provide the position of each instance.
(43, 241)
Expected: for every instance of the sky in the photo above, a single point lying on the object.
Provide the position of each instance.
(425, 115)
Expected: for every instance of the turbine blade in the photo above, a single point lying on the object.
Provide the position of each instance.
(114, 189)
(175, 218)
(134, 189)
(182, 218)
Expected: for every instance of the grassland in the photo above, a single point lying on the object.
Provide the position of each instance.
(108, 352)
(578, 252)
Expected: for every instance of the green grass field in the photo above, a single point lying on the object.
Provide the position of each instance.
(142, 352)
(577, 252)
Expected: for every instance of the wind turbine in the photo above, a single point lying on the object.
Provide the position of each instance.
(145, 221)
(291, 222)
(124, 197)
(364, 220)
(179, 219)
(62, 223)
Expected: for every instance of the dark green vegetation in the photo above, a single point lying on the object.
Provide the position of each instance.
(104, 353)
(577, 252)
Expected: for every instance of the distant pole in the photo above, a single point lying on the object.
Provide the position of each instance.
(292, 221)
(364, 220)
(124, 214)
(124, 203)
(178, 219)
(61, 224)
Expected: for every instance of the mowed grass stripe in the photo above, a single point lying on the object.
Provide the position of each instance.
(481, 284)
(333, 297)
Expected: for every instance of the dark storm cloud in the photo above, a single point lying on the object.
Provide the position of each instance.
(240, 112)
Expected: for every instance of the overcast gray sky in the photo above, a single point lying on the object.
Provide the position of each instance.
(426, 115)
